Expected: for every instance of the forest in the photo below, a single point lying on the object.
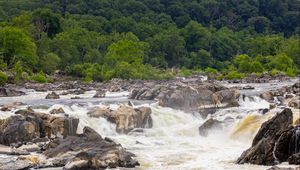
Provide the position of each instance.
(97, 40)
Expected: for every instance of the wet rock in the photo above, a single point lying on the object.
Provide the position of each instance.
(99, 94)
(209, 125)
(13, 163)
(57, 111)
(268, 96)
(280, 168)
(10, 106)
(273, 141)
(89, 151)
(294, 159)
(7, 92)
(52, 95)
(18, 129)
(100, 112)
(248, 87)
(76, 97)
(126, 118)
(295, 102)
(28, 125)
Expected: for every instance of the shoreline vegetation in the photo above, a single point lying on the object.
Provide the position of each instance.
(100, 40)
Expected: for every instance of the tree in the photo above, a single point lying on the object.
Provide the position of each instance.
(16, 45)
(46, 21)
(50, 63)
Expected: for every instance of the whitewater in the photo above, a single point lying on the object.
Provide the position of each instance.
(173, 143)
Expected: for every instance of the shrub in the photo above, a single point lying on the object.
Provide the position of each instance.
(211, 70)
(39, 78)
(234, 75)
(3, 78)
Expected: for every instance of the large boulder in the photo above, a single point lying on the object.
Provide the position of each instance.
(295, 102)
(188, 96)
(52, 95)
(89, 151)
(7, 92)
(19, 129)
(126, 118)
(209, 125)
(275, 141)
(28, 125)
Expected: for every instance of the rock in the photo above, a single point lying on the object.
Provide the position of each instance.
(27, 126)
(89, 151)
(295, 102)
(273, 142)
(209, 125)
(268, 96)
(7, 92)
(18, 129)
(10, 106)
(99, 94)
(76, 97)
(52, 95)
(248, 87)
(100, 112)
(14, 163)
(279, 168)
(294, 159)
(126, 118)
(57, 111)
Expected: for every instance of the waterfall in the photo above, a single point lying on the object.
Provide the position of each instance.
(294, 145)
(276, 161)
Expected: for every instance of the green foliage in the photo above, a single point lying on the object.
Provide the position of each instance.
(3, 78)
(16, 45)
(50, 63)
(137, 39)
(234, 75)
(39, 77)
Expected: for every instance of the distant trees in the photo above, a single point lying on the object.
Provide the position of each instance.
(100, 39)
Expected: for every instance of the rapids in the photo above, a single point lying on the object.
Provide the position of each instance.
(174, 141)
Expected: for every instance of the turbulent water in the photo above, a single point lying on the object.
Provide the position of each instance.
(174, 141)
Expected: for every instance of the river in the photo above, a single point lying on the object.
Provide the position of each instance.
(174, 141)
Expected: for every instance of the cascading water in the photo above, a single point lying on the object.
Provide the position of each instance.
(174, 141)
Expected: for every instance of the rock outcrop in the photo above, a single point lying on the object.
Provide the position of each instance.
(126, 118)
(275, 141)
(187, 96)
(89, 151)
(7, 92)
(27, 125)
(209, 125)
(52, 95)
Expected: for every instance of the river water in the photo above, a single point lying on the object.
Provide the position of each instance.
(174, 141)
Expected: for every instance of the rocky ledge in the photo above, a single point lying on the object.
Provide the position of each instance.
(126, 118)
(193, 96)
(50, 140)
(276, 141)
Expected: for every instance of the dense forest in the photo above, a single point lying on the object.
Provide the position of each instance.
(143, 39)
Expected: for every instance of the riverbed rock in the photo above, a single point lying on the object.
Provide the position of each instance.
(57, 111)
(127, 118)
(295, 102)
(7, 92)
(275, 141)
(100, 94)
(52, 95)
(100, 112)
(294, 159)
(89, 151)
(209, 125)
(28, 125)
(268, 96)
(10, 106)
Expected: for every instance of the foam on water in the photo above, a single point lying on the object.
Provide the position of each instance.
(174, 141)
